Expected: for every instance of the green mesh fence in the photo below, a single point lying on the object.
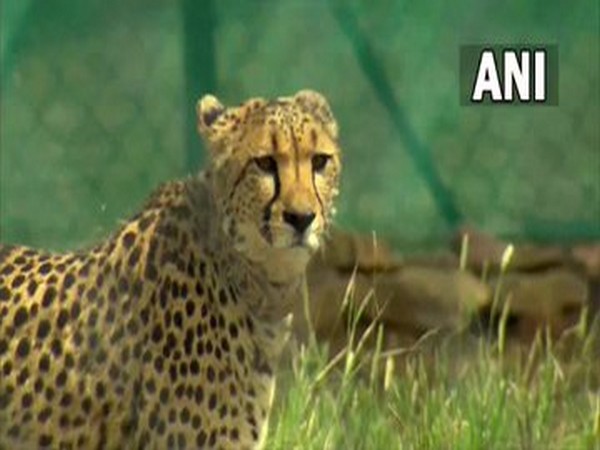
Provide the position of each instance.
(97, 107)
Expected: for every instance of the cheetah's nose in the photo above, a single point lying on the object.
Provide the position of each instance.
(300, 222)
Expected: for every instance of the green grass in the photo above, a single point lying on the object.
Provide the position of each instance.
(435, 399)
(452, 391)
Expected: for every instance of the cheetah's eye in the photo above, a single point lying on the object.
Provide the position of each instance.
(319, 162)
(267, 164)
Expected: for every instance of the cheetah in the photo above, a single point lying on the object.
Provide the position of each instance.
(168, 333)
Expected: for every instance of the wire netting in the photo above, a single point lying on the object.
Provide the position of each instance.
(97, 107)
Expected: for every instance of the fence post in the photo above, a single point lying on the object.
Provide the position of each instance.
(199, 69)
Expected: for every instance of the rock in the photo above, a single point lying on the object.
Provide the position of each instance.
(440, 259)
(347, 251)
(552, 299)
(408, 302)
(417, 294)
(425, 298)
(484, 249)
(587, 256)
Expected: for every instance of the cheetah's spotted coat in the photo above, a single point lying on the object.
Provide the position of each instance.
(167, 334)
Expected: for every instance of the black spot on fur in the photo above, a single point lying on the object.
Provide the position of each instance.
(145, 222)
(45, 440)
(134, 257)
(4, 294)
(222, 297)
(151, 272)
(49, 297)
(56, 347)
(128, 239)
(43, 329)
(23, 376)
(23, 347)
(62, 319)
(31, 288)
(21, 317)
(201, 439)
(44, 268)
(17, 281)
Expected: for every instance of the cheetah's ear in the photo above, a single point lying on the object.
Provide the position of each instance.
(319, 107)
(218, 124)
(209, 109)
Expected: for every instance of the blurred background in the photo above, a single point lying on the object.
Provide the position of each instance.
(97, 107)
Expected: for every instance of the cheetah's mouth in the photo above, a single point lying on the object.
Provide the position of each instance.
(298, 241)
(285, 237)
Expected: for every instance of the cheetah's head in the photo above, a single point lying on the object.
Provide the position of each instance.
(274, 167)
